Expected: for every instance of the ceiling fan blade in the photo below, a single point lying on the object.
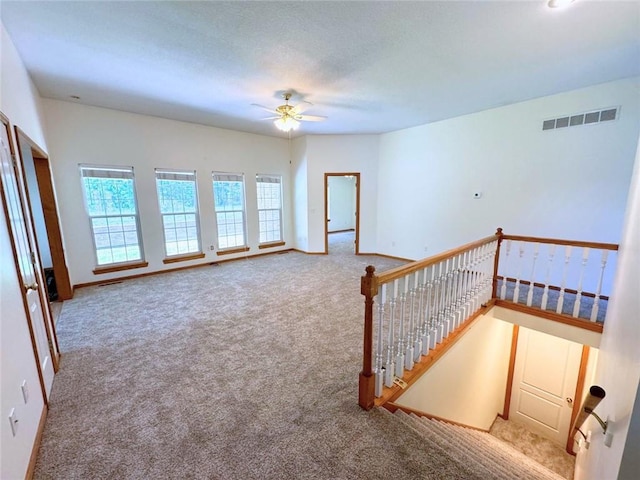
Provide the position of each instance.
(270, 110)
(271, 118)
(310, 118)
(302, 107)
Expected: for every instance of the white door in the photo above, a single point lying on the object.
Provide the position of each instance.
(544, 384)
(26, 261)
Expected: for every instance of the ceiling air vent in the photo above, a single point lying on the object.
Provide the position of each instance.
(582, 119)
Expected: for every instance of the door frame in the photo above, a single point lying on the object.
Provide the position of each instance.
(6, 125)
(326, 208)
(50, 212)
(582, 372)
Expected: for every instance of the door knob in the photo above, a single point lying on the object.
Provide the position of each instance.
(33, 286)
(569, 400)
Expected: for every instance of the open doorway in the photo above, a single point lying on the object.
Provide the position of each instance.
(44, 213)
(342, 212)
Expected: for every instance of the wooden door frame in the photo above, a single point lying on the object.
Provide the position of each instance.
(50, 212)
(577, 397)
(326, 208)
(50, 328)
(27, 312)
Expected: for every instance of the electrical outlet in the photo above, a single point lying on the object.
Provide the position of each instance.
(25, 391)
(13, 420)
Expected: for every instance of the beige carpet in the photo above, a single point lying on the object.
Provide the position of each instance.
(535, 447)
(246, 370)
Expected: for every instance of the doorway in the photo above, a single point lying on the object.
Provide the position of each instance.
(41, 201)
(342, 211)
(27, 262)
(546, 378)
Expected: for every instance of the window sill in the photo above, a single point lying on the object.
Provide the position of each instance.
(232, 250)
(119, 267)
(183, 258)
(271, 245)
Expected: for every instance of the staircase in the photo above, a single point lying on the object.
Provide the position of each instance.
(487, 456)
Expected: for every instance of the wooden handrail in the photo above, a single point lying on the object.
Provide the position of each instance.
(556, 241)
(405, 270)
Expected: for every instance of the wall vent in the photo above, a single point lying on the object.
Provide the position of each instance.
(587, 118)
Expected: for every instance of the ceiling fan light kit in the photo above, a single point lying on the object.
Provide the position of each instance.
(288, 117)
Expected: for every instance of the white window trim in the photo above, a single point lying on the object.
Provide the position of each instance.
(111, 171)
(229, 176)
(263, 178)
(187, 175)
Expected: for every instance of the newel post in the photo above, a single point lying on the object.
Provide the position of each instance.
(496, 261)
(366, 385)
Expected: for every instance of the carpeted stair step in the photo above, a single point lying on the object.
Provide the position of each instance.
(436, 458)
(484, 454)
(517, 456)
(456, 447)
(514, 461)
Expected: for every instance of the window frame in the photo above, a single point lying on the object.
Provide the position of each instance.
(166, 174)
(278, 180)
(115, 171)
(228, 177)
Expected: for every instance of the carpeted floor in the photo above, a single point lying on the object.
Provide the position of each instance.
(246, 370)
(534, 446)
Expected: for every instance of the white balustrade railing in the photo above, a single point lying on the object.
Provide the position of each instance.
(411, 309)
(418, 309)
(565, 277)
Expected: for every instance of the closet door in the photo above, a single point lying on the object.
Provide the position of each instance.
(26, 262)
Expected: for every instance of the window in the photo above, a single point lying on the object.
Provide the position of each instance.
(228, 196)
(110, 199)
(269, 190)
(178, 199)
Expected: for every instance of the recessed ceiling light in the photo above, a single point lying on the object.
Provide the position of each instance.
(74, 97)
(559, 3)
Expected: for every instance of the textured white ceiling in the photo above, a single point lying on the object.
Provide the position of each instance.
(370, 67)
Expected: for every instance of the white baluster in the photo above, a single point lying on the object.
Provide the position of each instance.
(565, 269)
(428, 341)
(532, 277)
(585, 259)
(379, 369)
(516, 290)
(401, 334)
(442, 286)
(389, 366)
(503, 288)
(596, 300)
(547, 277)
(411, 338)
(422, 343)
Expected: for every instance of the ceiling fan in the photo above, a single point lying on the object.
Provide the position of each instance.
(288, 117)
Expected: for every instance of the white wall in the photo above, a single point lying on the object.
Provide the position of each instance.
(83, 134)
(19, 101)
(567, 183)
(342, 154)
(299, 184)
(618, 370)
(342, 203)
(467, 384)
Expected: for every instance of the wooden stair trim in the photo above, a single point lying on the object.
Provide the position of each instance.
(553, 316)
(391, 394)
(392, 407)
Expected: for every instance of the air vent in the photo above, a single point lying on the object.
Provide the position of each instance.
(582, 119)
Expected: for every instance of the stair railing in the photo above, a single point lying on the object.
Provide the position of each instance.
(417, 306)
(567, 278)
